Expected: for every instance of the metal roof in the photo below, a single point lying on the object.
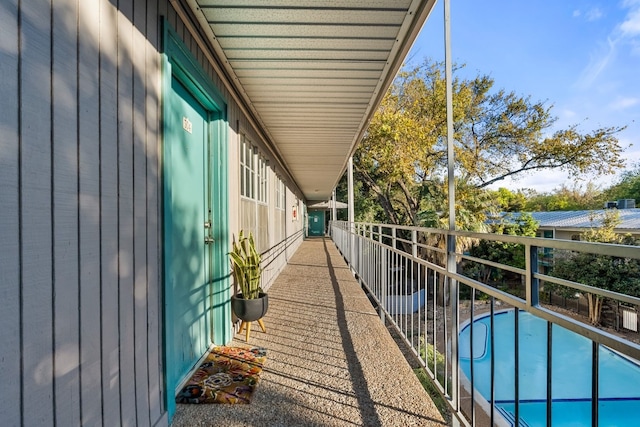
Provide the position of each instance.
(630, 219)
(312, 72)
(328, 205)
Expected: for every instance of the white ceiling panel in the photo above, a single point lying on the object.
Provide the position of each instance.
(312, 72)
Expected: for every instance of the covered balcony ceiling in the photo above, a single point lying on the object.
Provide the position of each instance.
(312, 72)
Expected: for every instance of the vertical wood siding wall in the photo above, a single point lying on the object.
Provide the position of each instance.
(80, 211)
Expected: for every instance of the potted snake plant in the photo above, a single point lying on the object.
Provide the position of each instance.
(251, 303)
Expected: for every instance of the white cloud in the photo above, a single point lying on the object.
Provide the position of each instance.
(568, 114)
(623, 103)
(541, 181)
(634, 46)
(590, 15)
(594, 14)
(631, 25)
(597, 64)
(625, 35)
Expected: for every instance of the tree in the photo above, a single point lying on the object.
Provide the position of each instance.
(628, 187)
(565, 198)
(402, 158)
(600, 271)
(511, 254)
(365, 208)
(509, 201)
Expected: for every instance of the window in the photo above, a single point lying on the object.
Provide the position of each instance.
(247, 169)
(262, 180)
(280, 194)
(254, 184)
(253, 173)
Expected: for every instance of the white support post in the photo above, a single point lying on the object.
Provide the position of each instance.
(451, 240)
(414, 243)
(351, 212)
(532, 282)
(334, 209)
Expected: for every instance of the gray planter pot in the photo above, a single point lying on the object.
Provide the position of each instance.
(250, 310)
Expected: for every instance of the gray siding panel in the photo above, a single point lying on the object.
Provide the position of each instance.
(154, 313)
(109, 214)
(89, 211)
(65, 217)
(36, 222)
(9, 216)
(140, 215)
(126, 76)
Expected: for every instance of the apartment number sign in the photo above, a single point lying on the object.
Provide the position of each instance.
(187, 125)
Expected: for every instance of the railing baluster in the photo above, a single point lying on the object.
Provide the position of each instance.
(549, 371)
(472, 358)
(492, 348)
(595, 368)
(448, 391)
(434, 318)
(516, 362)
(406, 307)
(532, 282)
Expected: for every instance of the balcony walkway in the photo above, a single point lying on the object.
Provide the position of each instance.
(330, 361)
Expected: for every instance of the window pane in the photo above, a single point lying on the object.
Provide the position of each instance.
(242, 181)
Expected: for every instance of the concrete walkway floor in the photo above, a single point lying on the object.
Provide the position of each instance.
(330, 361)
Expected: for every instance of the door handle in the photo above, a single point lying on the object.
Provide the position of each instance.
(208, 240)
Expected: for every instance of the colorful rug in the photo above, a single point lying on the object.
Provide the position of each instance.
(227, 375)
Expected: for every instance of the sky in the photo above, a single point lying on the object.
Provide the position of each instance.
(581, 57)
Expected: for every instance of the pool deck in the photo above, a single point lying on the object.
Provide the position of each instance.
(330, 360)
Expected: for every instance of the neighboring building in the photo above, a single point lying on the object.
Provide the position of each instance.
(569, 225)
(136, 139)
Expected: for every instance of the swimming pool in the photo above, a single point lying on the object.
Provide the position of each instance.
(619, 378)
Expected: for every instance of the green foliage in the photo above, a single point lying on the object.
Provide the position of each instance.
(567, 198)
(246, 266)
(600, 271)
(628, 187)
(429, 354)
(503, 252)
(509, 201)
(366, 207)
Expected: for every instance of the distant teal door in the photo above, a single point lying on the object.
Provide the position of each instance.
(316, 223)
(187, 252)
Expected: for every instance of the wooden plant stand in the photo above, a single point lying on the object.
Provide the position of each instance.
(247, 325)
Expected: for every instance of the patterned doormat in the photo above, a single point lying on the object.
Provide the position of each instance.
(227, 375)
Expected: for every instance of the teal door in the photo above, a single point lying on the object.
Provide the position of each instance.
(197, 283)
(316, 223)
(187, 239)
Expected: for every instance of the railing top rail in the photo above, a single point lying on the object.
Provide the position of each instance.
(610, 249)
(623, 251)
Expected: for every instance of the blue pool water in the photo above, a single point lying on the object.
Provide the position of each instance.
(619, 379)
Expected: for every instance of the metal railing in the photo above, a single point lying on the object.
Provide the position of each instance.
(276, 257)
(404, 269)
